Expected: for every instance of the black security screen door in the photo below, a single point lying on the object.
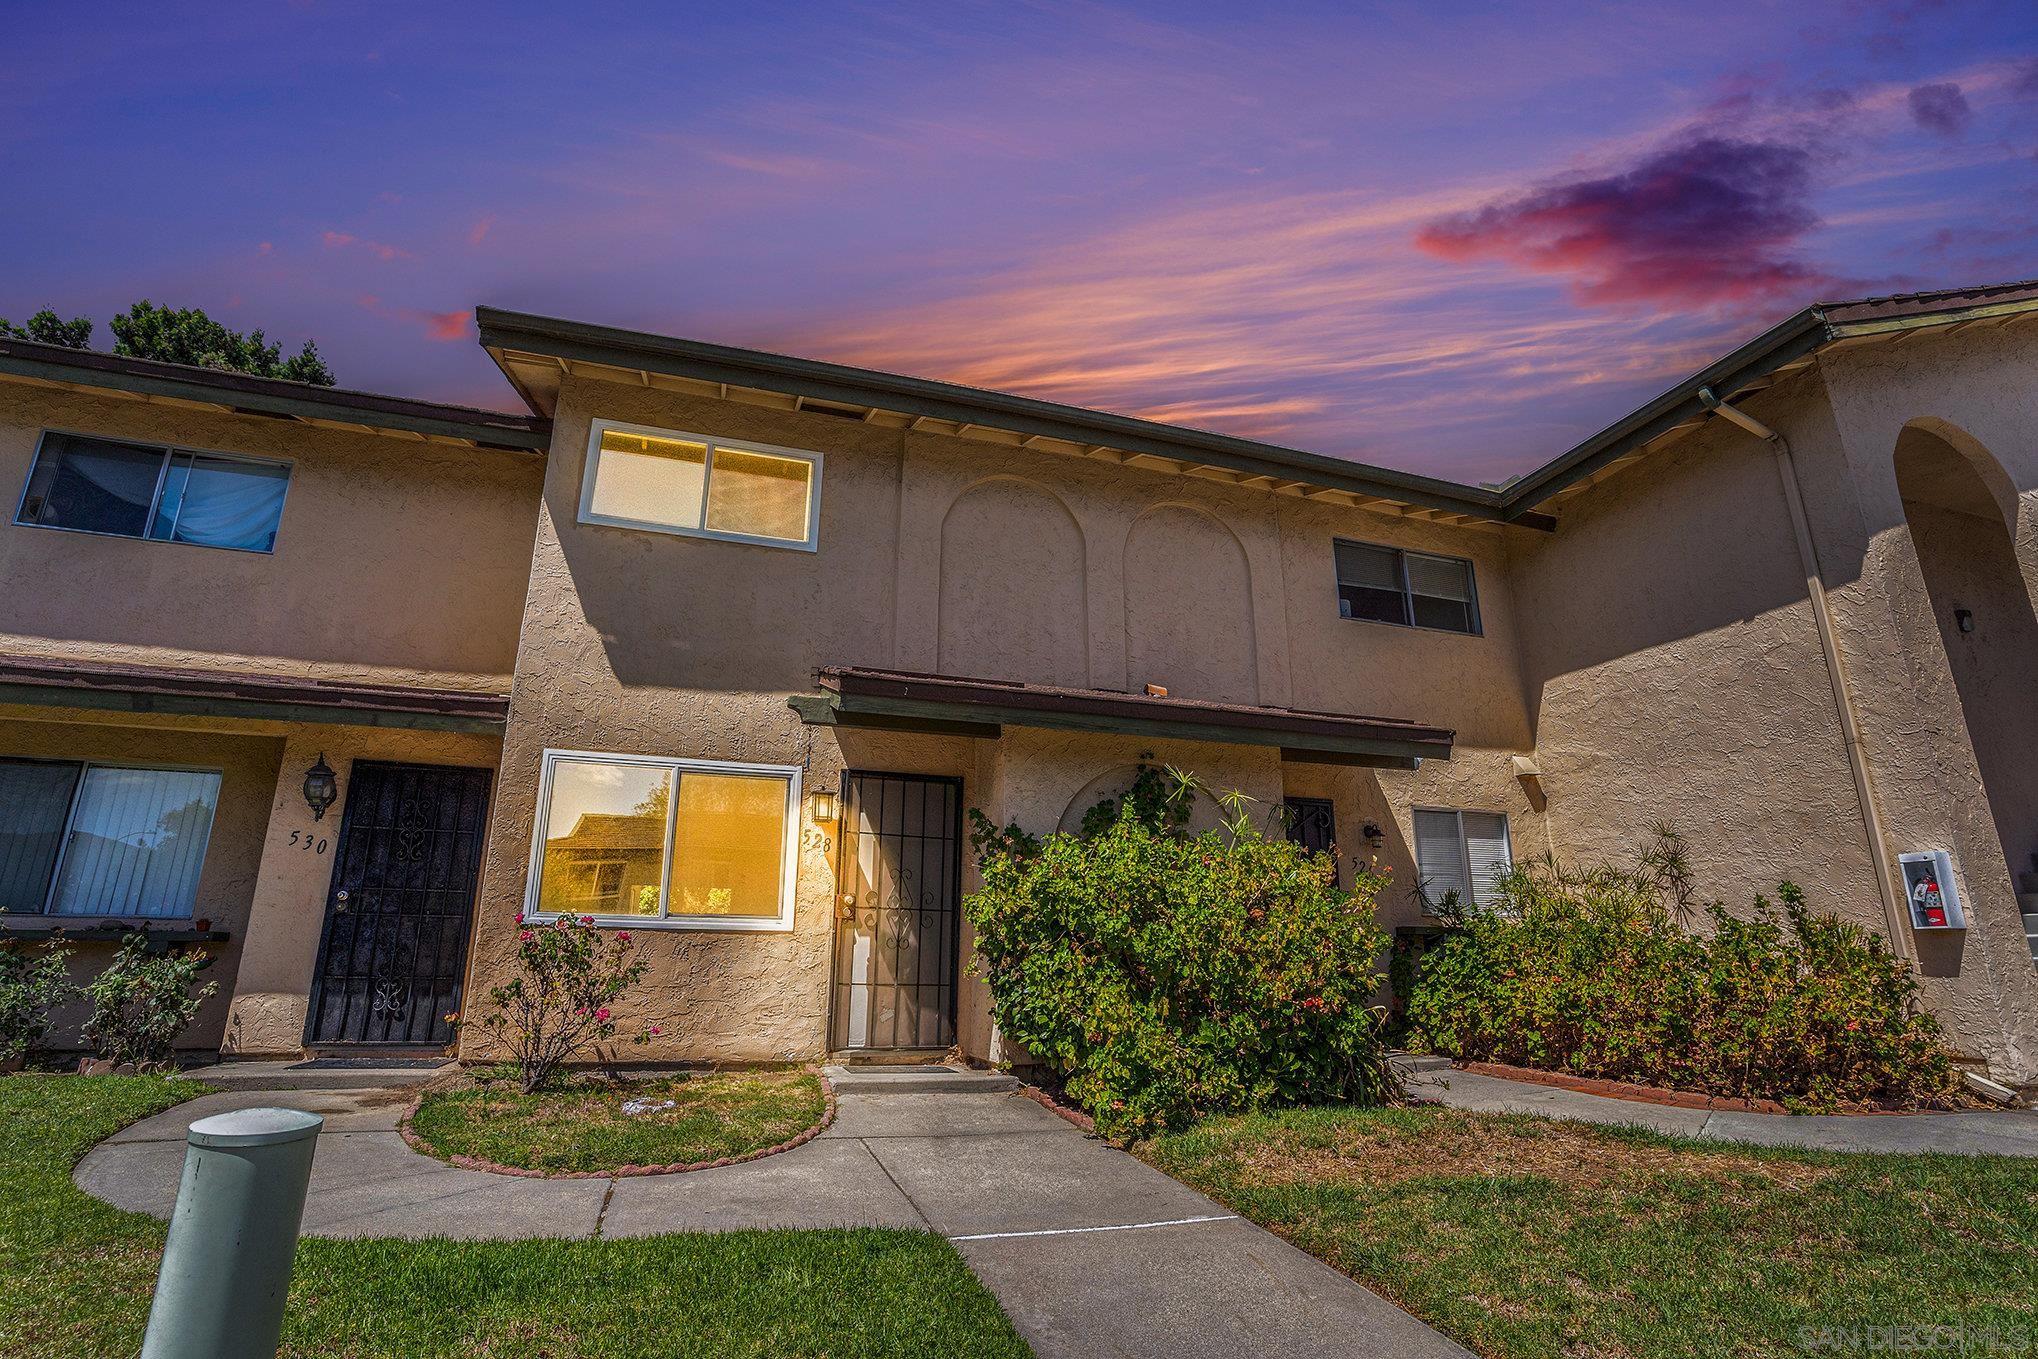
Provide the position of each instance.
(1311, 822)
(900, 885)
(394, 949)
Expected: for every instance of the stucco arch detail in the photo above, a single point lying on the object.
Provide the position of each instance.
(1013, 594)
(1183, 568)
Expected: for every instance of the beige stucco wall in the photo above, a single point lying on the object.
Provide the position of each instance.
(938, 554)
(398, 561)
(1674, 671)
(290, 889)
(247, 764)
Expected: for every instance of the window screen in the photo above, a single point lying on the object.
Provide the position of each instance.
(1417, 589)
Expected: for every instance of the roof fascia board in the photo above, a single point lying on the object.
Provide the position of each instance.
(131, 701)
(1757, 359)
(256, 401)
(810, 378)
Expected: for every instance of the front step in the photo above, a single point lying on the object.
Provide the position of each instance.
(931, 1078)
(314, 1075)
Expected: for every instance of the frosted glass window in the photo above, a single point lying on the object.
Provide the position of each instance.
(687, 841)
(136, 843)
(700, 486)
(645, 480)
(759, 496)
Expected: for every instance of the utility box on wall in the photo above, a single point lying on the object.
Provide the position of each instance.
(1933, 894)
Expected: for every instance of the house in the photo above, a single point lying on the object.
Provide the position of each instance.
(723, 645)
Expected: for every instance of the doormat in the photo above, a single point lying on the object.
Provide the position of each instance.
(365, 1063)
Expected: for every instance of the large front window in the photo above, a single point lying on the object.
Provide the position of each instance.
(173, 495)
(692, 484)
(686, 842)
(102, 840)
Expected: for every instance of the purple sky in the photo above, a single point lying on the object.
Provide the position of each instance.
(1447, 237)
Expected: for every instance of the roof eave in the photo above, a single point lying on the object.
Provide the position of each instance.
(240, 394)
(574, 341)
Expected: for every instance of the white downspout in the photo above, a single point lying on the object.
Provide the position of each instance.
(1850, 727)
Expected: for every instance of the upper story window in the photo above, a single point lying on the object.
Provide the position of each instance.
(172, 495)
(704, 487)
(87, 839)
(1415, 589)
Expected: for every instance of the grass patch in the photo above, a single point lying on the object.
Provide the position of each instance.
(582, 1126)
(79, 1274)
(1523, 1237)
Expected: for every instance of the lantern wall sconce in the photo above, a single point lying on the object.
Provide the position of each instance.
(824, 807)
(321, 788)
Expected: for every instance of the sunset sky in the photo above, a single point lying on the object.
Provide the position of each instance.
(1449, 237)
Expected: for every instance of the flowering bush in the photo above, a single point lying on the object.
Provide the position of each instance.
(31, 985)
(1592, 972)
(142, 1002)
(1165, 975)
(570, 978)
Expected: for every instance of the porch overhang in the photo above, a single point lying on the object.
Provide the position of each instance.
(904, 700)
(152, 689)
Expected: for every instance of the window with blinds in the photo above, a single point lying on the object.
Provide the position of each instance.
(103, 840)
(1415, 589)
(1465, 853)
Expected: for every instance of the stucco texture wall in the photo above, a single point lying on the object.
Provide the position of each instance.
(398, 561)
(273, 986)
(247, 765)
(939, 554)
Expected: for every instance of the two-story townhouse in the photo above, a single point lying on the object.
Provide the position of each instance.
(223, 594)
(770, 628)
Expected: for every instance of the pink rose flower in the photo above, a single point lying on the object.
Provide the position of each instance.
(602, 1014)
(524, 937)
(622, 936)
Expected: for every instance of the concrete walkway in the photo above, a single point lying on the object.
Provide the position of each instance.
(1976, 1132)
(1090, 1251)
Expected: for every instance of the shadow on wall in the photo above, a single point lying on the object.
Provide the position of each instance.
(1963, 514)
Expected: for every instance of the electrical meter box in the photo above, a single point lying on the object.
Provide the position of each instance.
(1934, 896)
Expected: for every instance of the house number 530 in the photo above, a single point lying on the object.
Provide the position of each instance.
(307, 842)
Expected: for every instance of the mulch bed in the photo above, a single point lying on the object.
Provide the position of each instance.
(800, 1139)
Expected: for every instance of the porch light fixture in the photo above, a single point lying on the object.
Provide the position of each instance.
(823, 807)
(321, 787)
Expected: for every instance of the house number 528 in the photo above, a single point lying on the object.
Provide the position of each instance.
(307, 842)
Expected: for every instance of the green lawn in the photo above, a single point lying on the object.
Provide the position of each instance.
(78, 1273)
(1522, 1236)
(583, 1126)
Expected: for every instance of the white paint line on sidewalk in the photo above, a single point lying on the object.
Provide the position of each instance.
(1123, 1227)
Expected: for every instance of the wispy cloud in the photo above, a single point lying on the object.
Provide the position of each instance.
(342, 240)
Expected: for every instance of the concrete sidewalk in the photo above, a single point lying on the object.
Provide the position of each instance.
(1974, 1132)
(1090, 1251)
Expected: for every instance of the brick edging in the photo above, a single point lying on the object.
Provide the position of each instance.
(1055, 1106)
(1651, 1094)
(418, 1144)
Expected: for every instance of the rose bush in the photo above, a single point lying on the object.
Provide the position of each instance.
(562, 1000)
(1592, 972)
(1164, 975)
(33, 982)
(142, 1002)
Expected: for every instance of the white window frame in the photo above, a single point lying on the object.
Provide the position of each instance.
(1464, 846)
(169, 451)
(788, 860)
(85, 767)
(712, 442)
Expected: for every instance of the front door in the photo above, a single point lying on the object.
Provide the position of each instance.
(394, 948)
(897, 913)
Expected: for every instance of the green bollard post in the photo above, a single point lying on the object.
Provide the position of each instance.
(233, 1236)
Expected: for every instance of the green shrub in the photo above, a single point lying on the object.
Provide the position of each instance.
(32, 983)
(142, 1002)
(1165, 975)
(1592, 972)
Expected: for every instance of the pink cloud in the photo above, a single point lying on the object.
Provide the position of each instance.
(342, 240)
(1697, 222)
(478, 233)
(441, 327)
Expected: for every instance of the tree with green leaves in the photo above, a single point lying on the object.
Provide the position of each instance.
(148, 331)
(186, 335)
(46, 327)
